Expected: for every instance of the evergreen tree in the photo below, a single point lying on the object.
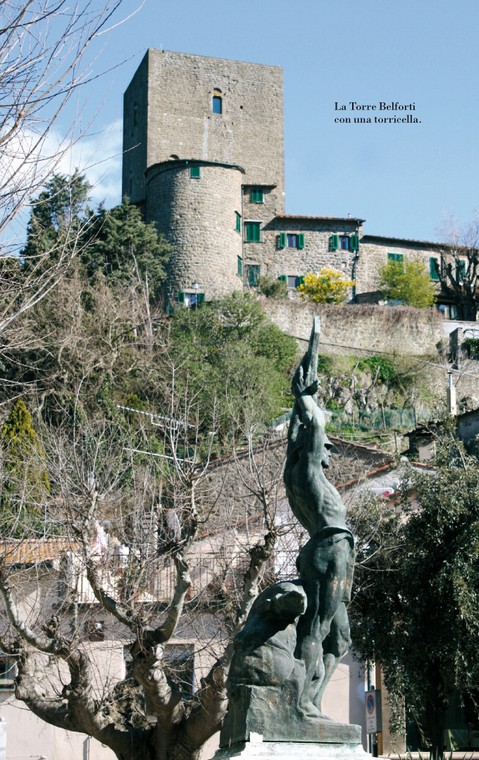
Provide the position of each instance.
(58, 217)
(25, 478)
(416, 609)
(124, 248)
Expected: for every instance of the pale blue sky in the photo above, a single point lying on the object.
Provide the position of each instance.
(404, 179)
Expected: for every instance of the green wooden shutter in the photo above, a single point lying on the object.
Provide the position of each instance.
(283, 278)
(300, 280)
(256, 195)
(333, 242)
(434, 268)
(253, 232)
(354, 242)
(282, 240)
(238, 222)
(200, 298)
(253, 274)
(300, 240)
(181, 297)
(194, 172)
(460, 270)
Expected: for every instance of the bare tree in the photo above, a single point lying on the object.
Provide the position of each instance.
(457, 268)
(138, 530)
(44, 62)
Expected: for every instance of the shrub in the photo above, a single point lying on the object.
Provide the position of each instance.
(329, 286)
(408, 282)
(471, 346)
(381, 368)
(271, 287)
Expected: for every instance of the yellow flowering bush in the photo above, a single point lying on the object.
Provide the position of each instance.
(328, 286)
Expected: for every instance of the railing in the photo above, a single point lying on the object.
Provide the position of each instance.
(380, 419)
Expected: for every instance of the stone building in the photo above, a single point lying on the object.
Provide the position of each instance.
(204, 157)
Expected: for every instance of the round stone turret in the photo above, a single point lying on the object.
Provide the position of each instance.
(196, 205)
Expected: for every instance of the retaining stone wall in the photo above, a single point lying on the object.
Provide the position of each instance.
(351, 328)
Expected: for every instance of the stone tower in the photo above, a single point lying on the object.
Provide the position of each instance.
(197, 134)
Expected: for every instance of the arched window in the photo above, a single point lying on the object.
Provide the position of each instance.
(217, 102)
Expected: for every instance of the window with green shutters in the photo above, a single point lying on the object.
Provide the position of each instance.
(290, 240)
(190, 299)
(395, 257)
(253, 271)
(239, 270)
(252, 232)
(293, 281)
(344, 242)
(256, 195)
(194, 172)
(295, 240)
(237, 222)
(434, 268)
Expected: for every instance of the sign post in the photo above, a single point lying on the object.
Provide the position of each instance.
(373, 716)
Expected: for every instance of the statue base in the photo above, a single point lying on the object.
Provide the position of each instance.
(272, 714)
(257, 749)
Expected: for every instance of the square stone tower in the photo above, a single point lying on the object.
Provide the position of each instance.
(181, 106)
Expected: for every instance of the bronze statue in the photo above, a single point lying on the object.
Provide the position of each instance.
(326, 562)
(297, 631)
(265, 647)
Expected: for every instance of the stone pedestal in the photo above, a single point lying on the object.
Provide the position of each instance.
(257, 749)
(264, 723)
(272, 713)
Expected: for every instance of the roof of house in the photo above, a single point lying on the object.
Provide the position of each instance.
(32, 551)
(403, 241)
(355, 219)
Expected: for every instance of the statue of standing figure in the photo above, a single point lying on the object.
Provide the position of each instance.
(326, 562)
(298, 630)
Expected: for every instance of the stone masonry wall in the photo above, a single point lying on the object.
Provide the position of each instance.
(197, 217)
(374, 255)
(351, 329)
(316, 253)
(135, 123)
(180, 121)
(364, 269)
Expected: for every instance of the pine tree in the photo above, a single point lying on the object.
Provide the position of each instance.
(58, 217)
(124, 248)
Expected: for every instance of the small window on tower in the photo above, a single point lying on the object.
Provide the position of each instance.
(217, 102)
